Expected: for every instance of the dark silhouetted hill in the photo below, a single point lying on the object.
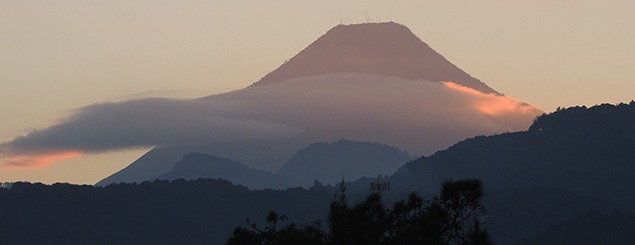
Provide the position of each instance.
(570, 161)
(330, 162)
(588, 150)
(387, 49)
(203, 211)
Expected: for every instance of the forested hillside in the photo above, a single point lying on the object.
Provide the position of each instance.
(571, 161)
(204, 211)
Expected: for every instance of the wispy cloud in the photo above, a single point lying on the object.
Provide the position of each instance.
(418, 116)
(38, 161)
(504, 109)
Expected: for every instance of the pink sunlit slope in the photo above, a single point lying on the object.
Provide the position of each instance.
(386, 49)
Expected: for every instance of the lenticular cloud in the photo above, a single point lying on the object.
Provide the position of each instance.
(415, 115)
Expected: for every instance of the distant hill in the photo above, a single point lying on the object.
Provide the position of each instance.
(197, 165)
(330, 162)
(327, 163)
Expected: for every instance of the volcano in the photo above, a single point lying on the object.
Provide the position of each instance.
(372, 82)
(386, 49)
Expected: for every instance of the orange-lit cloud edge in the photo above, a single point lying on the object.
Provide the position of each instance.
(488, 104)
(37, 161)
(495, 105)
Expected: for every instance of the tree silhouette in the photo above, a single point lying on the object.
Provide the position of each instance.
(308, 234)
(454, 217)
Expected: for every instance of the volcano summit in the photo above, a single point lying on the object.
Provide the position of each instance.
(384, 49)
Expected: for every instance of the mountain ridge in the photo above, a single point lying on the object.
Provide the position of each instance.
(320, 161)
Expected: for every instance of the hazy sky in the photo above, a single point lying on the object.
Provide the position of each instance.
(56, 56)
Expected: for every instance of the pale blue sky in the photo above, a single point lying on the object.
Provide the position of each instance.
(56, 56)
